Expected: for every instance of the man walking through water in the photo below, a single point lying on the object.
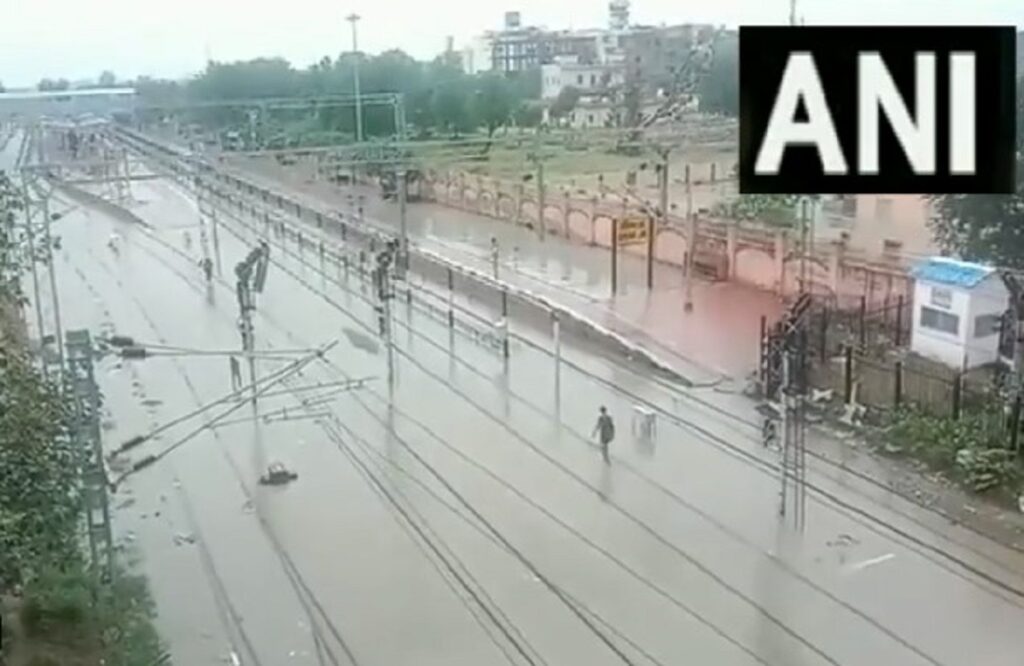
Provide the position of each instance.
(605, 430)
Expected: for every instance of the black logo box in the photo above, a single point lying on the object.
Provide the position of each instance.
(764, 52)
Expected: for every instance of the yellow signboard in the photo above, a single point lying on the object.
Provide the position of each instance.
(632, 229)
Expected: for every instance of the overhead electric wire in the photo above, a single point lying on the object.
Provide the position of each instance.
(233, 395)
(689, 506)
(536, 573)
(289, 568)
(461, 513)
(747, 457)
(540, 576)
(244, 223)
(644, 524)
(374, 484)
(526, 562)
(651, 530)
(540, 662)
(518, 641)
(228, 614)
(271, 380)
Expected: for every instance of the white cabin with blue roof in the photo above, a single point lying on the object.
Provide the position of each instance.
(958, 306)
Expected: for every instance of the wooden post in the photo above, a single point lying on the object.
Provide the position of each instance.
(957, 394)
(824, 333)
(848, 375)
(862, 317)
(451, 291)
(899, 319)
(650, 253)
(1015, 424)
(504, 316)
(763, 349)
(897, 397)
(615, 252)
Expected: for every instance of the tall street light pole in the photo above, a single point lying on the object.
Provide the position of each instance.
(353, 19)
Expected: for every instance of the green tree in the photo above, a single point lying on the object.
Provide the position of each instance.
(986, 227)
(158, 91)
(565, 102)
(39, 502)
(107, 79)
(492, 102)
(449, 103)
(437, 94)
(778, 210)
(250, 79)
(11, 264)
(39, 506)
(528, 114)
(719, 88)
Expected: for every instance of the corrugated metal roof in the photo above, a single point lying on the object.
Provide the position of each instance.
(952, 272)
(46, 94)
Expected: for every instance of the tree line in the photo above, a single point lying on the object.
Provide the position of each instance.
(439, 96)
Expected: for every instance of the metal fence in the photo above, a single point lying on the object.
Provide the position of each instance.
(881, 328)
(894, 380)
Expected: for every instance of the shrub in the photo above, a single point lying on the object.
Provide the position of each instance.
(973, 449)
(57, 601)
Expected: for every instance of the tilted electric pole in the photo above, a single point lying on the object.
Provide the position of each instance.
(251, 274)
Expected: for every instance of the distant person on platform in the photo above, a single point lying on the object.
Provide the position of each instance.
(605, 431)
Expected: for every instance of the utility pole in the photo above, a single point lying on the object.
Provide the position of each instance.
(385, 293)
(663, 183)
(792, 12)
(556, 332)
(30, 236)
(615, 256)
(207, 211)
(538, 160)
(402, 265)
(787, 345)
(804, 248)
(85, 432)
(251, 274)
(252, 113)
(55, 298)
(353, 18)
(204, 241)
(691, 236)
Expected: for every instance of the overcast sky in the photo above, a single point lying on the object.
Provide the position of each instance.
(78, 39)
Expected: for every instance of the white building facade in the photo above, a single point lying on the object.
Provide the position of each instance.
(587, 78)
(958, 307)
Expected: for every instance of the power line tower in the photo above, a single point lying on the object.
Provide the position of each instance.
(36, 200)
(793, 494)
(85, 433)
(784, 373)
(122, 177)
